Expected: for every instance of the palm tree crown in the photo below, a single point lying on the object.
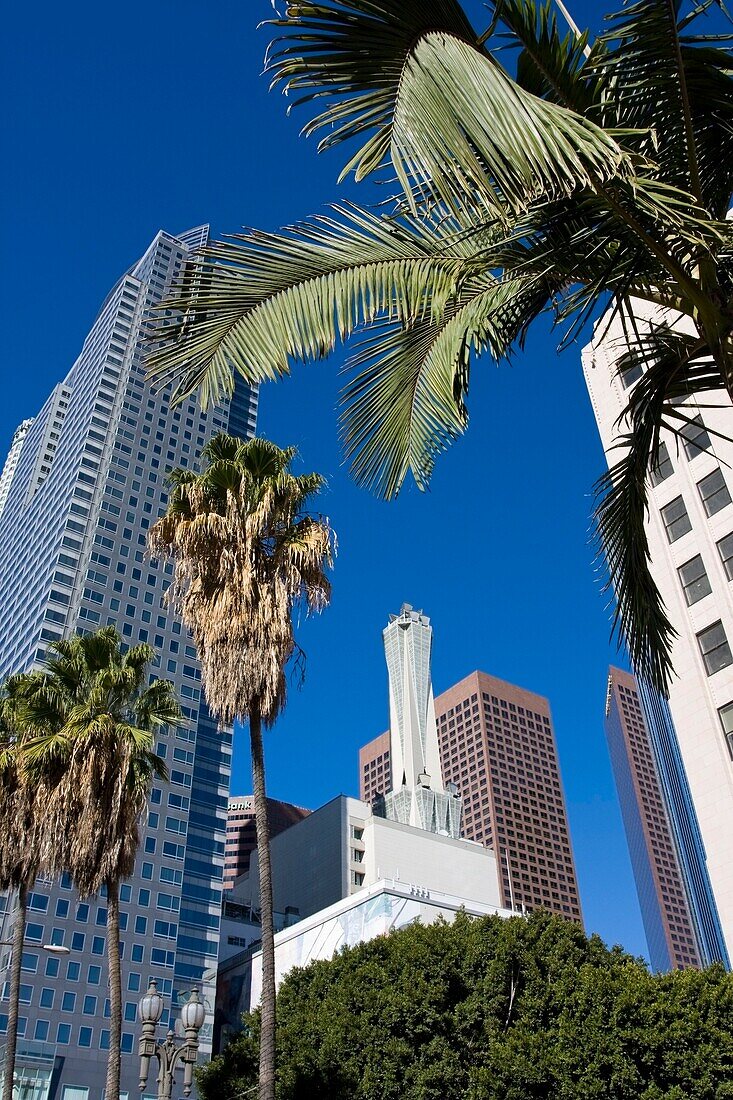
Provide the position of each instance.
(580, 177)
(94, 712)
(245, 555)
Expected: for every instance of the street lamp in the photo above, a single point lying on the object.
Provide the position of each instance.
(168, 1052)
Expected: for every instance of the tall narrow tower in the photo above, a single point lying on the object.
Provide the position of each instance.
(418, 797)
(669, 924)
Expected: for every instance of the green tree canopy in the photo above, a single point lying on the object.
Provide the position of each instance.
(491, 1009)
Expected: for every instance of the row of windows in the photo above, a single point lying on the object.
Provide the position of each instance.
(714, 495)
(42, 1033)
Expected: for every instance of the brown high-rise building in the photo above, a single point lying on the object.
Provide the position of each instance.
(497, 746)
(242, 833)
(670, 932)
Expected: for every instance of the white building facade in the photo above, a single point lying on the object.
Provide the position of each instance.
(690, 535)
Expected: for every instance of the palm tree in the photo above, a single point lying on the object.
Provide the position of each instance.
(20, 826)
(246, 554)
(95, 712)
(579, 178)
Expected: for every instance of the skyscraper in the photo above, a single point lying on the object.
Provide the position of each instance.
(497, 747)
(668, 922)
(416, 795)
(242, 831)
(89, 480)
(689, 528)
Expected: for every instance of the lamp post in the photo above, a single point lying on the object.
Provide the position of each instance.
(168, 1052)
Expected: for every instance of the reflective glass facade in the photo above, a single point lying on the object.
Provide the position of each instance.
(88, 482)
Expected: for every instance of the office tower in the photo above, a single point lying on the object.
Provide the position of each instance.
(668, 922)
(89, 481)
(416, 795)
(689, 528)
(497, 746)
(242, 832)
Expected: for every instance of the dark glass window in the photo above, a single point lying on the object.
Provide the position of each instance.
(663, 468)
(695, 439)
(725, 549)
(694, 580)
(713, 492)
(726, 721)
(714, 648)
(676, 520)
(630, 375)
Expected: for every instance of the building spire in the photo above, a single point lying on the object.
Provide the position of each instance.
(418, 796)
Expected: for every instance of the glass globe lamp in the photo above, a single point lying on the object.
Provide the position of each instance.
(151, 1005)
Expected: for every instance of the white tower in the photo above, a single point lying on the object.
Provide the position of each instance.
(418, 797)
(689, 528)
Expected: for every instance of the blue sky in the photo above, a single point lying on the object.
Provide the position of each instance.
(119, 121)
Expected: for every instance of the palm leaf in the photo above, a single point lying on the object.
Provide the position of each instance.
(675, 90)
(406, 400)
(465, 133)
(353, 53)
(549, 65)
(263, 299)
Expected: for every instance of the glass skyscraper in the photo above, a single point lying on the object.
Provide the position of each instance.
(86, 481)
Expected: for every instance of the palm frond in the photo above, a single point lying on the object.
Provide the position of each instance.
(675, 90)
(466, 134)
(264, 299)
(406, 400)
(353, 53)
(550, 65)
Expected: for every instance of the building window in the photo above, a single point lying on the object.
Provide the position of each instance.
(695, 438)
(714, 648)
(725, 549)
(726, 720)
(676, 520)
(694, 580)
(663, 468)
(630, 375)
(713, 492)
(75, 1092)
(357, 878)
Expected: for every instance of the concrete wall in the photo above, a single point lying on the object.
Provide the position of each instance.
(457, 867)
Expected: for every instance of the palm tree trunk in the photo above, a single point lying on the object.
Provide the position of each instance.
(267, 1012)
(17, 964)
(112, 1088)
